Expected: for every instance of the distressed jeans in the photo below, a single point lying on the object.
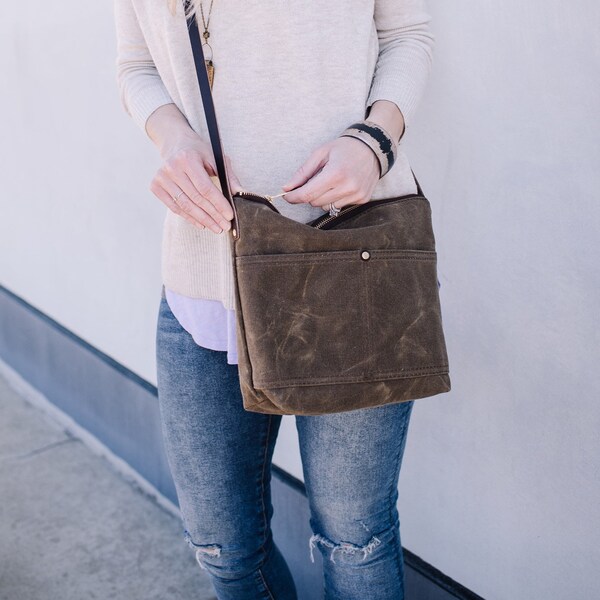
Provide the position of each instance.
(220, 459)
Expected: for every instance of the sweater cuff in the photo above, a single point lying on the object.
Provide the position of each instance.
(144, 99)
(401, 91)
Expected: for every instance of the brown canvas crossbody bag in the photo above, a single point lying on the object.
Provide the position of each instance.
(336, 314)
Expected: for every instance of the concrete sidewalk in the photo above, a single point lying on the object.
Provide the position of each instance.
(72, 528)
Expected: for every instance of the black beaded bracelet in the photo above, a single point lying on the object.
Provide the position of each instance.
(378, 139)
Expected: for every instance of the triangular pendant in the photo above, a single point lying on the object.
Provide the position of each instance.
(210, 69)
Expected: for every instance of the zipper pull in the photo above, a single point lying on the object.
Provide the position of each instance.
(276, 196)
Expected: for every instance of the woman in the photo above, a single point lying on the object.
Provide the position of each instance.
(288, 79)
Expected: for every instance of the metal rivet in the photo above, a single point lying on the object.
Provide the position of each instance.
(365, 255)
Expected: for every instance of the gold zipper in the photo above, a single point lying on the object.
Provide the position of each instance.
(343, 211)
(265, 196)
(333, 217)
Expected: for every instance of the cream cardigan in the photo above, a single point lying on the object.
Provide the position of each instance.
(288, 79)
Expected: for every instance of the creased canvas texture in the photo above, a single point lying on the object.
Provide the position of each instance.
(339, 318)
(330, 320)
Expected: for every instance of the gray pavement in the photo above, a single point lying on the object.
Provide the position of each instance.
(72, 528)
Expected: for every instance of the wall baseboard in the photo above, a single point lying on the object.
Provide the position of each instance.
(115, 412)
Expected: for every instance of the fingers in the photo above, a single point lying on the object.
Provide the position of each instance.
(318, 190)
(348, 176)
(185, 186)
(316, 161)
(194, 179)
(206, 195)
(170, 203)
(194, 202)
(347, 188)
(340, 195)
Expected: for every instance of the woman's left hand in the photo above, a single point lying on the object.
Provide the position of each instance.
(342, 171)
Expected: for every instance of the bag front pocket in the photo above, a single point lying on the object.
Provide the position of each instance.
(304, 317)
(405, 335)
(340, 317)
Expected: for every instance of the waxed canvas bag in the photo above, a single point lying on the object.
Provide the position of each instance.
(336, 314)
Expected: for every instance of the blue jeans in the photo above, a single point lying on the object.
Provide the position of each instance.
(220, 458)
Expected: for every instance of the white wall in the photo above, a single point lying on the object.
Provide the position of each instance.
(79, 230)
(499, 486)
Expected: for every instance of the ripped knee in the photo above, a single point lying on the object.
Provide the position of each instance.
(347, 550)
(229, 562)
(202, 551)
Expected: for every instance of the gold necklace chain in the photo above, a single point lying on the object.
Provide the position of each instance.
(210, 67)
(206, 23)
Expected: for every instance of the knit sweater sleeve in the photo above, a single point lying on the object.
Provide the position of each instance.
(141, 89)
(405, 54)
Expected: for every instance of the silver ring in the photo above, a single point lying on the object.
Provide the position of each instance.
(333, 210)
(178, 195)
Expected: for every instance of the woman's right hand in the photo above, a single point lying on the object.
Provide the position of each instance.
(183, 182)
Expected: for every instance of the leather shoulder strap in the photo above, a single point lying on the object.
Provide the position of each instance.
(208, 103)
